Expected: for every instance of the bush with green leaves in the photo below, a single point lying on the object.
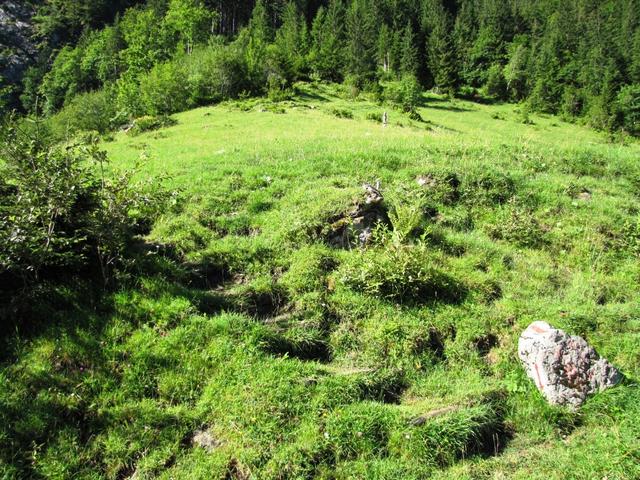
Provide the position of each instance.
(215, 73)
(496, 84)
(94, 111)
(164, 90)
(375, 117)
(405, 94)
(64, 80)
(149, 123)
(628, 109)
(401, 273)
(61, 213)
(342, 113)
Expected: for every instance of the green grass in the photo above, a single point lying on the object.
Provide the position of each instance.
(303, 360)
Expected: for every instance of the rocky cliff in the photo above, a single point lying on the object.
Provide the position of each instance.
(17, 49)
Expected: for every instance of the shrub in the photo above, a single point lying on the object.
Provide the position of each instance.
(599, 114)
(164, 90)
(415, 116)
(572, 102)
(149, 123)
(496, 84)
(95, 111)
(342, 113)
(215, 73)
(63, 80)
(353, 86)
(467, 92)
(375, 117)
(525, 114)
(405, 94)
(59, 213)
(628, 109)
(400, 273)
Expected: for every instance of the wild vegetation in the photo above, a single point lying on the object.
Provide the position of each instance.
(579, 59)
(300, 239)
(238, 339)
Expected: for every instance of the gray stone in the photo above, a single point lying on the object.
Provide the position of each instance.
(372, 194)
(355, 227)
(564, 367)
(204, 439)
(17, 49)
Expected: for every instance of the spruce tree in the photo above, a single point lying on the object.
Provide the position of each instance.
(292, 41)
(489, 47)
(442, 56)
(634, 68)
(258, 34)
(360, 40)
(409, 52)
(465, 33)
(327, 50)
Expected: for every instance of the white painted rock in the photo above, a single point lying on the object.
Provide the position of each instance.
(564, 367)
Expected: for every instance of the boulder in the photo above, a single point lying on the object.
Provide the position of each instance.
(564, 367)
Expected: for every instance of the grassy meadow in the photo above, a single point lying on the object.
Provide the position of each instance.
(246, 345)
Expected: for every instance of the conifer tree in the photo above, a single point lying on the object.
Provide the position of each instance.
(465, 33)
(442, 57)
(409, 55)
(490, 44)
(326, 56)
(360, 40)
(634, 68)
(258, 37)
(292, 41)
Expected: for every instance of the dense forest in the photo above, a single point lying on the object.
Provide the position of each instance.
(578, 58)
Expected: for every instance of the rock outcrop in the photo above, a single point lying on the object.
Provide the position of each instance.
(17, 49)
(564, 367)
(355, 228)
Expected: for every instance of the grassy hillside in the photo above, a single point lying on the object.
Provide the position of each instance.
(259, 340)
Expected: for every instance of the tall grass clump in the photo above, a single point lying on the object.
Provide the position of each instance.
(404, 273)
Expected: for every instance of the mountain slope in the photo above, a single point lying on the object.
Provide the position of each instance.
(257, 339)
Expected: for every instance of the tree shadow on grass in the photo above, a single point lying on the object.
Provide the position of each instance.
(450, 108)
(311, 96)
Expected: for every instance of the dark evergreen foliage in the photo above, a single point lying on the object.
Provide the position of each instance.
(578, 58)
